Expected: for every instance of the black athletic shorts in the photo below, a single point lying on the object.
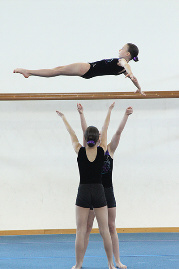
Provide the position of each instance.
(91, 196)
(110, 198)
(109, 193)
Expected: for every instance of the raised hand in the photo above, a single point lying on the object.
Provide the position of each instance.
(112, 106)
(80, 108)
(129, 111)
(60, 114)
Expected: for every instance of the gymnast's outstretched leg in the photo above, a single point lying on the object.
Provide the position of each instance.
(76, 69)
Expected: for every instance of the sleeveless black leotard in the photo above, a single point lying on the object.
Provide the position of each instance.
(107, 170)
(91, 191)
(90, 172)
(104, 67)
(107, 180)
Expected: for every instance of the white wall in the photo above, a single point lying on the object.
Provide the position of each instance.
(48, 33)
(38, 170)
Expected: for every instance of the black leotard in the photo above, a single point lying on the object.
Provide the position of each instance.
(104, 67)
(90, 192)
(107, 180)
(90, 172)
(107, 171)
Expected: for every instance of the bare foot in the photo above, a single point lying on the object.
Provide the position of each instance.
(76, 267)
(112, 267)
(22, 71)
(120, 265)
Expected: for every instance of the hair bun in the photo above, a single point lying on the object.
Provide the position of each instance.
(136, 59)
(91, 143)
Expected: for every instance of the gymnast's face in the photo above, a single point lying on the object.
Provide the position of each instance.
(124, 52)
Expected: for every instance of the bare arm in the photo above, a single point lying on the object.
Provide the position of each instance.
(74, 139)
(83, 121)
(136, 83)
(122, 62)
(103, 143)
(115, 140)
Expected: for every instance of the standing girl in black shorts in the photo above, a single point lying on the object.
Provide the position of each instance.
(107, 184)
(91, 192)
(114, 66)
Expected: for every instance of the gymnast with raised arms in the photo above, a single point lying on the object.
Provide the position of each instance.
(107, 184)
(91, 192)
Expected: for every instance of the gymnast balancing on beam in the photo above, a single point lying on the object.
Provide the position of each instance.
(91, 192)
(107, 184)
(114, 66)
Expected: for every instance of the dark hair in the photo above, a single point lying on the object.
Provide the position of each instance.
(134, 51)
(91, 136)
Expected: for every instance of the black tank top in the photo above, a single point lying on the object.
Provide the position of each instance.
(90, 172)
(107, 171)
(104, 67)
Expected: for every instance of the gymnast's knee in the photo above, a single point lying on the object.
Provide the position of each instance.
(112, 228)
